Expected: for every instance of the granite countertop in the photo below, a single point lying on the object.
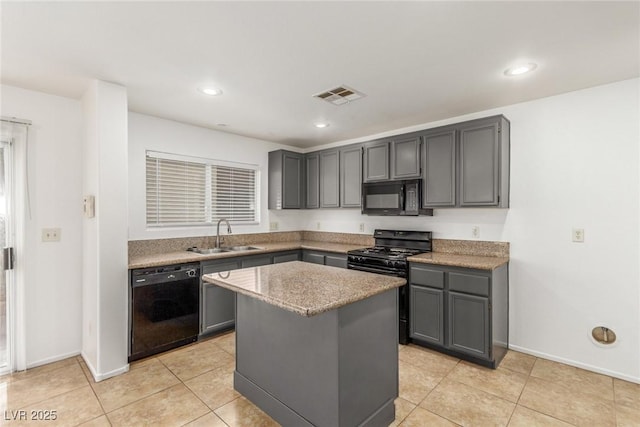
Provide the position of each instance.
(156, 260)
(467, 261)
(304, 288)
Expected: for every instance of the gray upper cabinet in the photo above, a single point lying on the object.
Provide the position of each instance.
(286, 180)
(312, 166)
(405, 158)
(330, 179)
(439, 173)
(483, 165)
(375, 160)
(466, 164)
(351, 176)
(398, 158)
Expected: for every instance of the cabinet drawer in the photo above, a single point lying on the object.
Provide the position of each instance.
(224, 266)
(336, 261)
(427, 277)
(256, 262)
(285, 258)
(313, 257)
(469, 284)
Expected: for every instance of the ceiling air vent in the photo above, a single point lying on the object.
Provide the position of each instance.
(340, 95)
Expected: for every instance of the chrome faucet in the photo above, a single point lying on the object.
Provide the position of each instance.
(218, 231)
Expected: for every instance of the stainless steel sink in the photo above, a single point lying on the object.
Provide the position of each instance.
(207, 251)
(241, 248)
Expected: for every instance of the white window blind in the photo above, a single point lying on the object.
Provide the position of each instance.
(186, 191)
(233, 193)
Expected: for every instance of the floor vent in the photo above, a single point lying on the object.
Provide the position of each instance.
(340, 95)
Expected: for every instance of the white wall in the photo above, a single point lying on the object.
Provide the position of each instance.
(152, 133)
(574, 163)
(53, 270)
(105, 288)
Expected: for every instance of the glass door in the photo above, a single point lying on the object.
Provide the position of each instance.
(6, 237)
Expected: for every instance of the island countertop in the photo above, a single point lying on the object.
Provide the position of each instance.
(304, 288)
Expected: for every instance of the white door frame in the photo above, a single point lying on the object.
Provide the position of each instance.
(19, 212)
(21, 216)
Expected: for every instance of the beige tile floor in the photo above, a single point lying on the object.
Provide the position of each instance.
(193, 386)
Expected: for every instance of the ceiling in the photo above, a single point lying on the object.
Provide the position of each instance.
(416, 62)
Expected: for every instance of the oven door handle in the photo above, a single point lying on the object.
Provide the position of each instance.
(375, 270)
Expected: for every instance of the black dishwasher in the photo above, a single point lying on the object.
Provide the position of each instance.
(164, 308)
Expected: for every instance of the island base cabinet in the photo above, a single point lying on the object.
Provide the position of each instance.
(318, 370)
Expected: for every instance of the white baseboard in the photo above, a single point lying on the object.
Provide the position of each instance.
(101, 377)
(48, 360)
(570, 362)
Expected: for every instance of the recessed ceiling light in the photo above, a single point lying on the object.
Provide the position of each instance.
(321, 125)
(520, 69)
(212, 91)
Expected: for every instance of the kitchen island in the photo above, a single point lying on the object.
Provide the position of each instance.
(316, 345)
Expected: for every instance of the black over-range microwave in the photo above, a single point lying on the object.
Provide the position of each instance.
(393, 198)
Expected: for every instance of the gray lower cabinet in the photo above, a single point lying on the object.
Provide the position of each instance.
(218, 305)
(286, 180)
(405, 157)
(427, 314)
(468, 317)
(351, 176)
(312, 167)
(325, 258)
(330, 179)
(460, 311)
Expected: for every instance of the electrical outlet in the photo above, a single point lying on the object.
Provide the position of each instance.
(273, 226)
(51, 234)
(475, 232)
(318, 225)
(578, 235)
(362, 227)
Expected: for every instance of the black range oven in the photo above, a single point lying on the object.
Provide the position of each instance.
(389, 256)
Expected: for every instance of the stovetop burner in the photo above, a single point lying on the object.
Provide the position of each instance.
(389, 252)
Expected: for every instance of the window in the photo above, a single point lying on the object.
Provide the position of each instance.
(187, 191)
